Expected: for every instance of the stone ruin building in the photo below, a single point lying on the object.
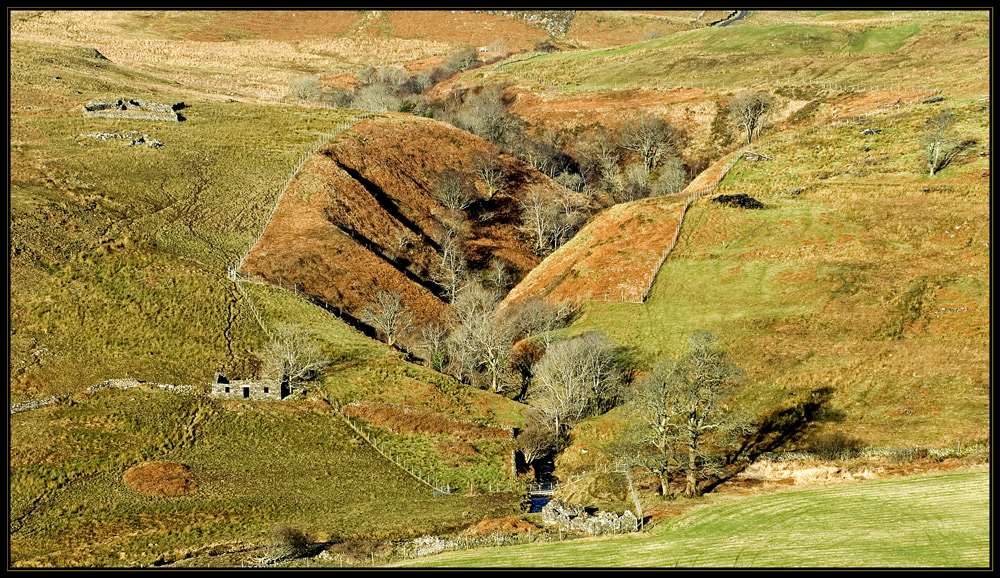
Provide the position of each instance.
(130, 108)
(255, 390)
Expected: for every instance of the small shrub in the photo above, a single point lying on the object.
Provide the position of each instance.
(836, 446)
(288, 542)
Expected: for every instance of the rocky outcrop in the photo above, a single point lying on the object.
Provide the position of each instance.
(555, 22)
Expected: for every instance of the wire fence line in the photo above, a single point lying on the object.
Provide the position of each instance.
(437, 488)
(639, 292)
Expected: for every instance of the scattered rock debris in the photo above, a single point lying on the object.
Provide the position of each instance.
(134, 138)
(754, 157)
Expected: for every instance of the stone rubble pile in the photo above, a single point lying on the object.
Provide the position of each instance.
(575, 517)
(135, 138)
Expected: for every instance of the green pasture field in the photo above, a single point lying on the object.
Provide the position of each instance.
(926, 521)
(255, 465)
(861, 273)
(841, 50)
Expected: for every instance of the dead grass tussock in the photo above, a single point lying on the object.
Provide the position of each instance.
(162, 479)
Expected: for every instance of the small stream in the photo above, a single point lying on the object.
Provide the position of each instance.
(543, 476)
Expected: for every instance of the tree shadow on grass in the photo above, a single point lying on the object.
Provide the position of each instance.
(776, 430)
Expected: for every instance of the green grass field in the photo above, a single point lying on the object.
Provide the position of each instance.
(932, 521)
(772, 48)
(255, 465)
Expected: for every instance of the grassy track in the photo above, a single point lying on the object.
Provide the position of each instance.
(935, 520)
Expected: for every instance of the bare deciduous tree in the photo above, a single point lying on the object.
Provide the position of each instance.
(433, 344)
(536, 441)
(748, 111)
(538, 220)
(483, 341)
(575, 379)
(484, 114)
(376, 98)
(452, 189)
(489, 168)
(453, 269)
(540, 318)
(305, 88)
(941, 145)
(288, 542)
(651, 138)
(499, 275)
(388, 315)
(291, 357)
(683, 401)
(672, 177)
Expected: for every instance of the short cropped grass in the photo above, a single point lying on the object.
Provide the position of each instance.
(926, 521)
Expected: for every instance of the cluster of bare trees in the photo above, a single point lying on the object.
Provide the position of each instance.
(682, 418)
(642, 157)
(387, 88)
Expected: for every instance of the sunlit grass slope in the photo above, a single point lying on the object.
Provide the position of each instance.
(254, 467)
(118, 253)
(933, 521)
(908, 49)
(862, 274)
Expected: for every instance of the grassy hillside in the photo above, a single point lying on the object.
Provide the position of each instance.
(119, 253)
(861, 273)
(936, 520)
(71, 507)
(907, 49)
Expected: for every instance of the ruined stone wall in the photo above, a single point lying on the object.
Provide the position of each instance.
(130, 108)
(575, 517)
(35, 404)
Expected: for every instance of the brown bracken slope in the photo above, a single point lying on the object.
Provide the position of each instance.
(335, 233)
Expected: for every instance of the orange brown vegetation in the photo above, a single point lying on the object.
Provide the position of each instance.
(160, 479)
(334, 233)
(614, 255)
(508, 525)
(274, 24)
(464, 27)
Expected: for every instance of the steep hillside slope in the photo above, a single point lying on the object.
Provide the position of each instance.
(861, 273)
(613, 258)
(363, 216)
